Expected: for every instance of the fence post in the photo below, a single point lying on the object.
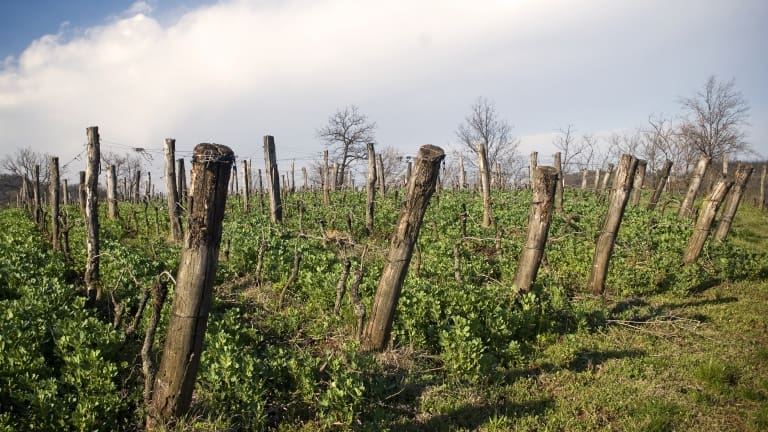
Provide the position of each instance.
(743, 173)
(304, 179)
(55, 196)
(704, 222)
(37, 196)
(326, 180)
(485, 184)
(371, 188)
(534, 161)
(273, 180)
(92, 282)
(181, 180)
(462, 174)
(624, 179)
(81, 192)
(174, 209)
(663, 177)
(246, 187)
(607, 178)
(176, 374)
(112, 210)
(686, 207)
(597, 180)
(545, 181)
(584, 173)
(137, 187)
(380, 171)
(420, 189)
(559, 183)
(637, 187)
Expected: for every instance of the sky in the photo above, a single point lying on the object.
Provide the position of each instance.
(231, 71)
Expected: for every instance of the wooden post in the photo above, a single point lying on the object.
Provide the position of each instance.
(485, 183)
(246, 187)
(292, 178)
(326, 179)
(625, 177)
(304, 179)
(725, 164)
(273, 180)
(763, 177)
(81, 192)
(559, 184)
(380, 171)
(148, 190)
(335, 176)
(112, 210)
(606, 178)
(92, 277)
(55, 196)
(545, 181)
(637, 187)
(597, 180)
(37, 196)
(408, 170)
(175, 379)
(137, 187)
(662, 181)
(686, 208)
(743, 172)
(261, 192)
(462, 174)
(584, 174)
(420, 189)
(174, 207)
(65, 192)
(533, 164)
(370, 188)
(703, 224)
(181, 180)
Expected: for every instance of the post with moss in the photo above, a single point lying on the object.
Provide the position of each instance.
(55, 197)
(743, 173)
(92, 276)
(273, 180)
(420, 190)
(604, 247)
(172, 193)
(686, 208)
(662, 181)
(545, 181)
(704, 223)
(177, 372)
(637, 187)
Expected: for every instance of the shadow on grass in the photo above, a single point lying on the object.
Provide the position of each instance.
(666, 310)
(587, 359)
(473, 416)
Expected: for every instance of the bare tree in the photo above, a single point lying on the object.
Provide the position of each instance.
(22, 163)
(126, 166)
(483, 125)
(714, 119)
(662, 141)
(346, 135)
(575, 152)
(585, 158)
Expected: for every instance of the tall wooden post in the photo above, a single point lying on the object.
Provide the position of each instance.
(181, 180)
(743, 172)
(625, 177)
(607, 178)
(686, 208)
(37, 196)
(174, 207)
(462, 174)
(273, 180)
(176, 374)
(485, 184)
(706, 216)
(420, 189)
(246, 187)
(304, 179)
(137, 187)
(534, 162)
(112, 210)
(408, 170)
(92, 276)
(662, 181)
(584, 174)
(380, 171)
(559, 184)
(292, 177)
(81, 192)
(148, 190)
(326, 179)
(545, 181)
(597, 180)
(637, 187)
(261, 192)
(370, 188)
(55, 196)
(65, 192)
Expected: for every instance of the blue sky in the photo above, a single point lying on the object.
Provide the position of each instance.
(233, 70)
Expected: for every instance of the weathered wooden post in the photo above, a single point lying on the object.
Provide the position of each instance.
(55, 197)
(81, 192)
(261, 192)
(559, 184)
(326, 180)
(485, 184)
(181, 180)
(534, 162)
(584, 173)
(65, 192)
(273, 180)
(292, 189)
(246, 187)
(137, 187)
(706, 216)
(637, 187)
(607, 178)
(663, 177)
(686, 208)
(148, 190)
(545, 181)
(92, 276)
(408, 170)
(112, 210)
(462, 174)
(304, 179)
(176, 374)
(420, 189)
(37, 196)
(335, 176)
(370, 188)
(597, 180)
(174, 207)
(743, 172)
(380, 171)
(604, 247)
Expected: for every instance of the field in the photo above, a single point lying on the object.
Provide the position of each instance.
(669, 347)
